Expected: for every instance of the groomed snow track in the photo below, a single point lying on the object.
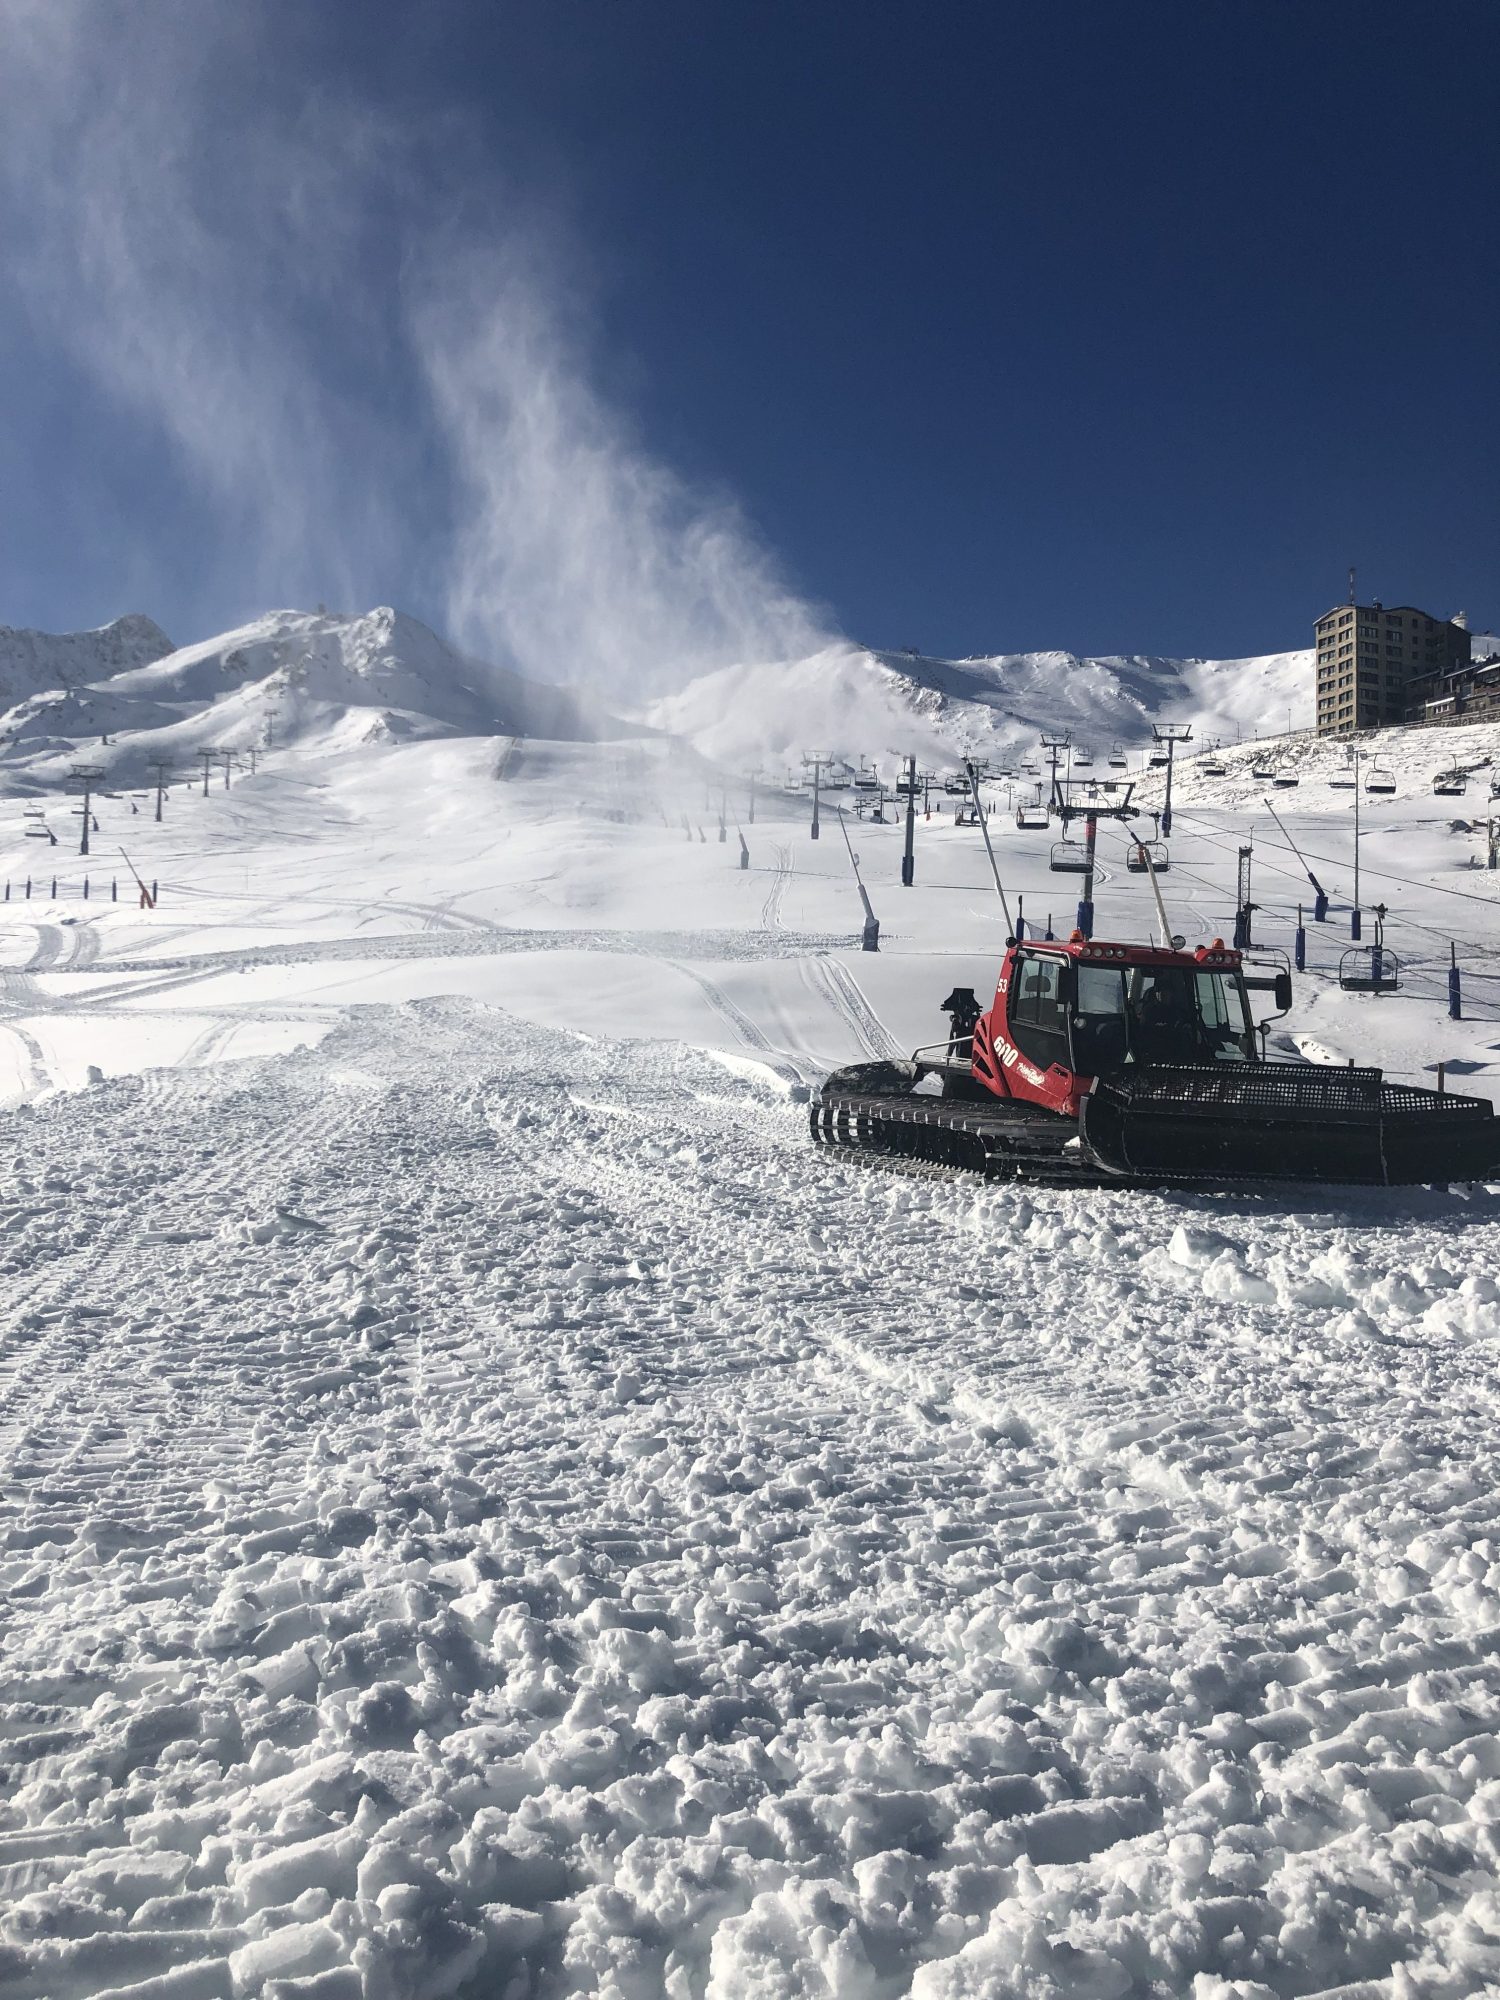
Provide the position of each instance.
(486, 1513)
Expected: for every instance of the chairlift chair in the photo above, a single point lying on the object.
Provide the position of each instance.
(1083, 756)
(1214, 769)
(867, 782)
(1450, 784)
(1157, 761)
(1144, 857)
(1285, 780)
(1261, 771)
(1068, 857)
(1343, 780)
(1370, 968)
(1033, 819)
(1381, 781)
(1118, 761)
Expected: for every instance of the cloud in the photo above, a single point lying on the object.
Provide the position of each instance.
(247, 262)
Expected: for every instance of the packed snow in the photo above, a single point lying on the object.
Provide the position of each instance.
(486, 1510)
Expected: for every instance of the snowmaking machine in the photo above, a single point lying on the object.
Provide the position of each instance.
(1138, 1065)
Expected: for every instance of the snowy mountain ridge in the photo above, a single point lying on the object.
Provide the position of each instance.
(847, 701)
(33, 662)
(300, 678)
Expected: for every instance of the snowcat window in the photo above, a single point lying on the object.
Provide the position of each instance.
(1221, 1009)
(1101, 1034)
(1037, 1016)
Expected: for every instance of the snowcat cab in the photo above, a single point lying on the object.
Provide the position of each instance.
(1136, 1065)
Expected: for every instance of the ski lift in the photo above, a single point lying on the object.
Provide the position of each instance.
(1118, 761)
(1214, 769)
(1343, 780)
(38, 833)
(1369, 968)
(1285, 780)
(1144, 857)
(1450, 784)
(956, 788)
(867, 782)
(1157, 761)
(1033, 819)
(1381, 781)
(1069, 857)
(1261, 771)
(836, 781)
(1029, 769)
(1083, 756)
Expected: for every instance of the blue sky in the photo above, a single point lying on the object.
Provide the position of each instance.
(640, 331)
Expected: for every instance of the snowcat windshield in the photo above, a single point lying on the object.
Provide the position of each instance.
(1158, 1014)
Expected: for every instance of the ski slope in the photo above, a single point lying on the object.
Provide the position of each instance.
(486, 1510)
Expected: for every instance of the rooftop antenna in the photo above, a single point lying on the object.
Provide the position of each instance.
(1351, 583)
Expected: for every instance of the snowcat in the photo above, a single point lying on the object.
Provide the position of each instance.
(1136, 1065)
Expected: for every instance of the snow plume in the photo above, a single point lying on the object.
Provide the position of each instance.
(581, 557)
(248, 264)
(187, 240)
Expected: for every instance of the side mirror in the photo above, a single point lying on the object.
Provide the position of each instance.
(1283, 992)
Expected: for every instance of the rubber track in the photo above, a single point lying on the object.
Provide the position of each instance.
(998, 1144)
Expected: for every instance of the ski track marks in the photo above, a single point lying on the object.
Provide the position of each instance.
(483, 1513)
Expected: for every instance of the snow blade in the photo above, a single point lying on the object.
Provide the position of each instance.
(1286, 1122)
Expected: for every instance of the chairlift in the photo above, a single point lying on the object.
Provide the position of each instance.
(867, 782)
(1144, 857)
(1370, 968)
(1068, 857)
(1450, 784)
(1083, 756)
(836, 781)
(956, 788)
(1157, 761)
(1214, 769)
(1033, 819)
(1285, 780)
(1029, 769)
(1381, 781)
(1261, 771)
(1343, 780)
(34, 812)
(38, 833)
(1118, 761)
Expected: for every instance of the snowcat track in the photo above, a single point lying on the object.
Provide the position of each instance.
(907, 1132)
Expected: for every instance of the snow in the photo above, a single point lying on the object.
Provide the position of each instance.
(847, 702)
(485, 1509)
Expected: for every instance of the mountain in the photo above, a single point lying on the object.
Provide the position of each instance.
(849, 702)
(32, 663)
(306, 679)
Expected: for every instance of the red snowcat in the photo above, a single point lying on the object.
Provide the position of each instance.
(1126, 1064)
